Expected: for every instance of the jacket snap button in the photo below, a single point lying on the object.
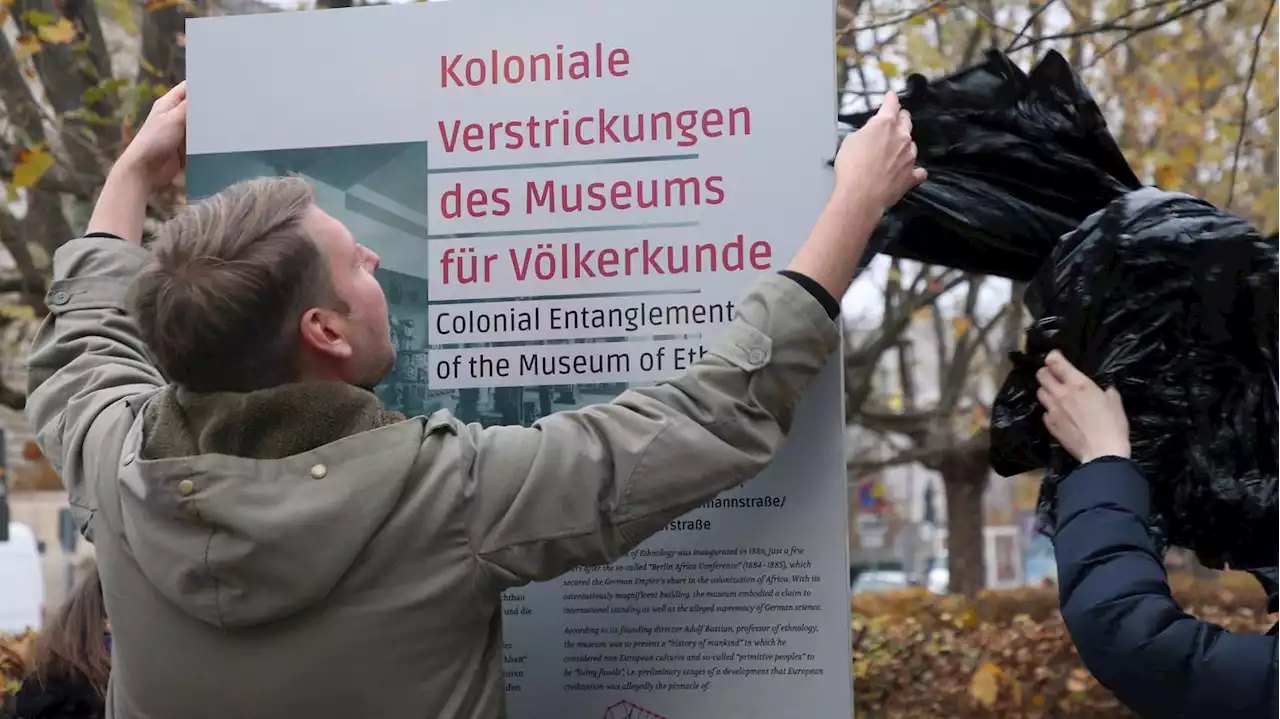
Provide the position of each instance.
(60, 298)
(319, 471)
(186, 487)
(755, 356)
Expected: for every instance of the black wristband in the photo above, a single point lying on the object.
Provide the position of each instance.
(829, 303)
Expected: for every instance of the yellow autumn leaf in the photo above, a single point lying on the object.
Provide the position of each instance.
(153, 5)
(31, 164)
(1187, 155)
(985, 685)
(895, 274)
(5, 7)
(923, 313)
(1166, 176)
(895, 402)
(924, 53)
(967, 619)
(25, 47)
(978, 419)
(889, 69)
(1078, 683)
(960, 325)
(59, 33)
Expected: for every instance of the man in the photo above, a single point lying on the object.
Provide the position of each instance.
(273, 542)
(1115, 598)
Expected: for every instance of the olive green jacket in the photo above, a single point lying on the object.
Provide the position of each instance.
(303, 552)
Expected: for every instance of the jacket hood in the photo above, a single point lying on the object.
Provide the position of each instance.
(244, 508)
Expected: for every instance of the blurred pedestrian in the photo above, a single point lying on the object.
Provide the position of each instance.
(70, 660)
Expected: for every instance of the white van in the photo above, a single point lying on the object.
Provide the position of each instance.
(21, 582)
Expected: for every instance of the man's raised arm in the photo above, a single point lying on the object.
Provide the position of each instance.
(584, 487)
(87, 359)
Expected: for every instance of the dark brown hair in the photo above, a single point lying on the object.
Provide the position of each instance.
(73, 646)
(229, 279)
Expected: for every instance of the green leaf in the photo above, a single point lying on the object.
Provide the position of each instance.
(59, 33)
(87, 115)
(102, 90)
(36, 18)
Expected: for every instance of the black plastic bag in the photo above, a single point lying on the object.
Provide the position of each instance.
(1014, 161)
(1174, 303)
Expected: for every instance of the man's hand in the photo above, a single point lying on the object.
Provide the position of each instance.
(158, 151)
(877, 164)
(874, 168)
(150, 162)
(1086, 421)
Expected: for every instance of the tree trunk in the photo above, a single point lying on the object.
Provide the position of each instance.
(964, 476)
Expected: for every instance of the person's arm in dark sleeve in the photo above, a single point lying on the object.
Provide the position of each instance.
(1130, 633)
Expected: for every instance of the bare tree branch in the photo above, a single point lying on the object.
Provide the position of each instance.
(1030, 23)
(861, 362)
(928, 456)
(1116, 24)
(1132, 32)
(1243, 126)
(853, 27)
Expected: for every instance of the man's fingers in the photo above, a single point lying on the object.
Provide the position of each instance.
(904, 123)
(889, 108)
(171, 99)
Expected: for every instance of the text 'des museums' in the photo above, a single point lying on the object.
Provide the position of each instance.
(587, 260)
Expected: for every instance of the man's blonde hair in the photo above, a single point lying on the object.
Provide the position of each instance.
(229, 279)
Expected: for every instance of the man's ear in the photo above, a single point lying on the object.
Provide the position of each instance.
(324, 331)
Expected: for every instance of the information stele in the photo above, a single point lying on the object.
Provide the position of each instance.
(570, 196)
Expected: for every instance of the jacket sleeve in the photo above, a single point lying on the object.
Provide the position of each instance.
(86, 360)
(1128, 629)
(584, 487)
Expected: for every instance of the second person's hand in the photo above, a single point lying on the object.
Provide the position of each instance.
(1088, 422)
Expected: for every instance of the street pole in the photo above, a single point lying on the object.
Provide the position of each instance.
(4, 488)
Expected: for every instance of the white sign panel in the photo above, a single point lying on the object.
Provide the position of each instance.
(570, 197)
